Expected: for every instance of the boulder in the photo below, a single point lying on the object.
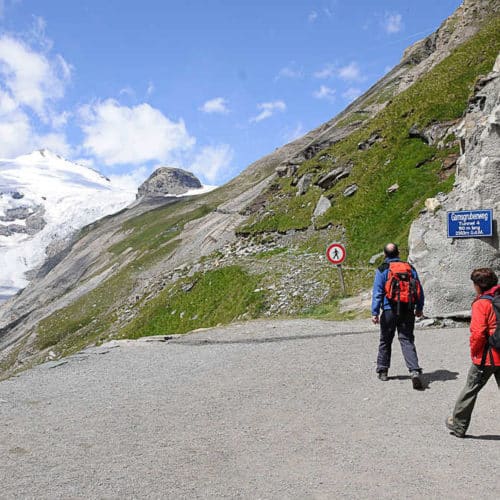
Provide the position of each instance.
(432, 204)
(304, 184)
(165, 180)
(375, 257)
(375, 137)
(281, 171)
(393, 188)
(432, 134)
(350, 190)
(323, 205)
(331, 178)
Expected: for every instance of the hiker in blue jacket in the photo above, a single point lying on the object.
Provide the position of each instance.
(397, 315)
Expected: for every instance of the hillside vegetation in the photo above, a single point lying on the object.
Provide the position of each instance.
(276, 266)
(372, 215)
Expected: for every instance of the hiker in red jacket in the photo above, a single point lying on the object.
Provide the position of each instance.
(485, 362)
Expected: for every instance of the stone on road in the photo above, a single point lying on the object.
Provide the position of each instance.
(265, 409)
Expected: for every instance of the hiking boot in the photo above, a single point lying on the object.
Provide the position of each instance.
(383, 376)
(416, 380)
(450, 424)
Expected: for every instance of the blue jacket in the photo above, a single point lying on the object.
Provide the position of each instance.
(378, 296)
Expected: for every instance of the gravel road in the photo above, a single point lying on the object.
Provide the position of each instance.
(265, 409)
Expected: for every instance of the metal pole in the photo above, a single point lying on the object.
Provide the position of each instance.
(341, 276)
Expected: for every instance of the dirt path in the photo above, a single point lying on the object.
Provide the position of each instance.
(267, 409)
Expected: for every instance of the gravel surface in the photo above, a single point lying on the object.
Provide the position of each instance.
(265, 409)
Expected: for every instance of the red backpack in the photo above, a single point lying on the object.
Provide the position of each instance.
(401, 287)
(493, 339)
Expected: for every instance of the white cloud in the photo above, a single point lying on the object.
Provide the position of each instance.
(328, 71)
(131, 180)
(30, 78)
(268, 110)
(119, 134)
(16, 135)
(59, 120)
(351, 93)
(325, 92)
(55, 142)
(351, 72)
(211, 162)
(150, 89)
(216, 105)
(392, 23)
(312, 16)
(127, 91)
(7, 104)
(30, 84)
(290, 72)
(37, 33)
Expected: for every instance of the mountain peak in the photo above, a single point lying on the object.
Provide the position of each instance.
(168, 181)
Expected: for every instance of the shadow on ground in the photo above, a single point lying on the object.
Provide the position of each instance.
(485, 437)
(430, 377)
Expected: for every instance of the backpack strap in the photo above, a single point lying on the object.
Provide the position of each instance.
(383, 267)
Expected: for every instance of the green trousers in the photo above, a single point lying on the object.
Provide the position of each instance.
(476, 380)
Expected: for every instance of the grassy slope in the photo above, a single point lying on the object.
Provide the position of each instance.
(372, 217)
(150, 236)
(204, 300)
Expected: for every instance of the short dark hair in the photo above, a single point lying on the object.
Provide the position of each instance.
(391, 250)
(484, 278)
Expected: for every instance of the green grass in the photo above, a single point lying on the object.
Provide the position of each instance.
(353, 118)
(331, 311)
(270, 253)
(205, 300)
(156, 227)
(89, 318)
(372, 217)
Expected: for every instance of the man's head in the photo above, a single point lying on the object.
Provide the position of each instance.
(485, 278)
(391, 250)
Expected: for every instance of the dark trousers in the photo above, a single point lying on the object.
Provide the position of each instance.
(476, 380)
(404, 324)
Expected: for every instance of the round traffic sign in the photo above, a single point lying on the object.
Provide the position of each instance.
(336, 253)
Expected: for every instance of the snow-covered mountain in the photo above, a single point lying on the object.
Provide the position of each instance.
(44, 199)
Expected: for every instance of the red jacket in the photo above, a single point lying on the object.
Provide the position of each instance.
(483, 322)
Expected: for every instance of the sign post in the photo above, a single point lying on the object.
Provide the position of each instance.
(336, 254)
(470, 223)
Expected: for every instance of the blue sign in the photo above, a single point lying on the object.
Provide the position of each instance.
(470, 223)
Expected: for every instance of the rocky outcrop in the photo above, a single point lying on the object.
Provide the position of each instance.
(445, 264)
(168, 181)
(304, 184)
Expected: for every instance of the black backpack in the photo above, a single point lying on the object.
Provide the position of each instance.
(493, 341)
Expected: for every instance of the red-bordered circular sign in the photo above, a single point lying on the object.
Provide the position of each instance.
(336, 253)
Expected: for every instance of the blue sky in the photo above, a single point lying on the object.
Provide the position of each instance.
(206, 85)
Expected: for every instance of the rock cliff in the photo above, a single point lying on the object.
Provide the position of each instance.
(445, 263)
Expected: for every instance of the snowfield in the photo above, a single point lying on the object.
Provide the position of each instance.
(65, 195)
